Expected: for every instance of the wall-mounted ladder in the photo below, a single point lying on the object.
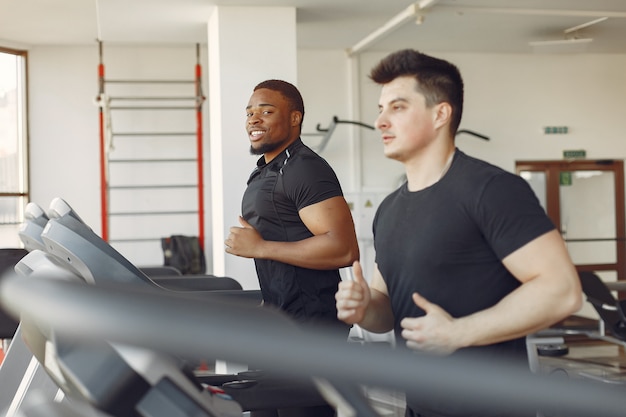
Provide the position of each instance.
(151, 171)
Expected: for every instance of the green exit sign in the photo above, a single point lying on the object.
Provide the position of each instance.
(565, 178)
(575, 154)
(559, 130)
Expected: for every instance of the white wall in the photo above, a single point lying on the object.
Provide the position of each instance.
(509, 98)
(64, 140)
(63, 128)
(325, 90)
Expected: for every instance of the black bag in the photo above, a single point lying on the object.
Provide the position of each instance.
(8, 259)
(183, 253)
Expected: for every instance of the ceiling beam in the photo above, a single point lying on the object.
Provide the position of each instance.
(413, 11)
(537, 12)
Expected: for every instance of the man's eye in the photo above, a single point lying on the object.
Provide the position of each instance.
(267, 112)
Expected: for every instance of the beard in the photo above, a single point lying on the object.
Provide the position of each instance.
(266, 147)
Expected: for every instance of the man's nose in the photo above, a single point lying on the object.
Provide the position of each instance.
(381, 122)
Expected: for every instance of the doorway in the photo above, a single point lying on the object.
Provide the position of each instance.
(585, 200)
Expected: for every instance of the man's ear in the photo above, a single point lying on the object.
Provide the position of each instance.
(296, 118)
(443, 114)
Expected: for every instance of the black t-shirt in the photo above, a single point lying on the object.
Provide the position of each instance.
(276, 191)
(447, 242)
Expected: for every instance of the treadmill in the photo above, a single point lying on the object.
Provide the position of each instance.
(74, 252)
(78, 318)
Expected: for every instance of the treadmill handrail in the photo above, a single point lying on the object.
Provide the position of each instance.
(264, 337)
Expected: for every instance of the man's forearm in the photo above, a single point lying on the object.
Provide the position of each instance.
(316, 252)
(378, 316)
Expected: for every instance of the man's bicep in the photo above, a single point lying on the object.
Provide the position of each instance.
(544, 255)
(377, 282)
(329, 216)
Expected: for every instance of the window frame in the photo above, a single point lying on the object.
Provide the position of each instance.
(21, 190)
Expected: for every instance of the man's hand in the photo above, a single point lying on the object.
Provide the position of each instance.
(353, 297)
(244, 241)
(433, 332)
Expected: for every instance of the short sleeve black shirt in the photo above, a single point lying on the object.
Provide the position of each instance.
(447, 243)
(276, 191)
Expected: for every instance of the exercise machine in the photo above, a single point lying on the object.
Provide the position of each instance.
(82, 312)
(74, 252)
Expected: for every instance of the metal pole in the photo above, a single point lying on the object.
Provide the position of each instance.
(104, 204)
(199, 100)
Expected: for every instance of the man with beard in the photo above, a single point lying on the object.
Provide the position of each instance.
(295, 222)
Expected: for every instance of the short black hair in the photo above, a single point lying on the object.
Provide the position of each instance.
(438, 80)
(288, 90)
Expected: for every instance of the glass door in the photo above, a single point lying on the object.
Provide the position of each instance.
(585, 200)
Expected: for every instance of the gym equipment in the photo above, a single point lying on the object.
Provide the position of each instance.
(99, 373)
(157, 271)
(22, 378)
(610, 310)
(597, 363)
(8, 325)
(74, 251)
(168, 107)
(230, 331)
(612, 324)
(40, 406)
(121, 380)
(21, 375)
(35, 220)
(74, 243)
(71, 241)
(233, 343)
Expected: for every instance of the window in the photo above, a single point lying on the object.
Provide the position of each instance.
(13, 145)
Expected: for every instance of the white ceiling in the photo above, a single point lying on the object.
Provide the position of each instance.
(491, 26)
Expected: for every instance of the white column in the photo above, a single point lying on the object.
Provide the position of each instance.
(246, 45)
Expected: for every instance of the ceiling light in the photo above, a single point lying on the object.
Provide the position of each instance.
(561, 46)
(584, 25)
